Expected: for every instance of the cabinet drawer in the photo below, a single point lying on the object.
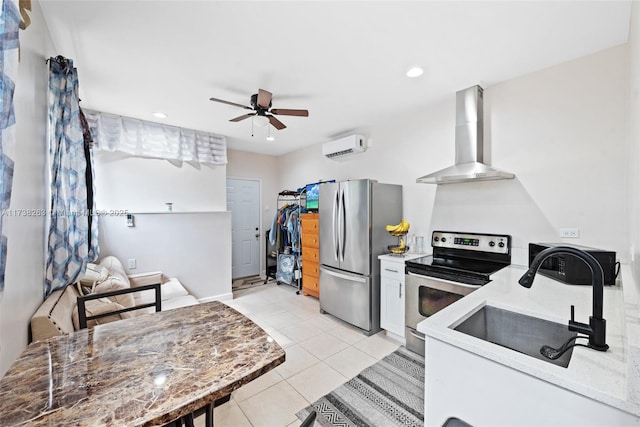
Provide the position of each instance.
(312, 255)
(310, 225)
(311, 268)
(310, 282)
(310, 240)
(392, 270)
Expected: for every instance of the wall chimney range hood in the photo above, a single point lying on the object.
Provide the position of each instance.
(469, 164)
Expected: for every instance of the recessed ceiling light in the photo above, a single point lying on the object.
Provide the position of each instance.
(159, 115)
(415, 72)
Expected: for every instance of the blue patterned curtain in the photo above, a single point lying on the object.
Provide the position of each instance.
(73, 236)
(9, 24)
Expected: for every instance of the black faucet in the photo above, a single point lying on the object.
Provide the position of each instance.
(596, 329)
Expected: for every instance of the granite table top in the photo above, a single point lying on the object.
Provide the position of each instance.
(143, 371)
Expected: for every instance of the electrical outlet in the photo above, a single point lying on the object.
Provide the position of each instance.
(570, 233)
(132, 263)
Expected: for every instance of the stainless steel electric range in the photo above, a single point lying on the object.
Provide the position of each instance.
(460, 264)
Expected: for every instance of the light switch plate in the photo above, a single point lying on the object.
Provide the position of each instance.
(132, 263)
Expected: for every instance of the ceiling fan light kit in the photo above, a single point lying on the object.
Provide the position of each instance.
(262, 112)
(261, 121)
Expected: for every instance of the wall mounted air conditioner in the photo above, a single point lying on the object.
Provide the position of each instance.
(351, 144)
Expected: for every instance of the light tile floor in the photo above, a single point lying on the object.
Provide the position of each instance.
(322, 353)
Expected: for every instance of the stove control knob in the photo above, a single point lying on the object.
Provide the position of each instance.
(444, 240)
(492, 243)
(435, 239)
(501, 244)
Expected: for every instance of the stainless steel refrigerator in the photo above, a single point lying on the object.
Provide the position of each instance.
(353, 215)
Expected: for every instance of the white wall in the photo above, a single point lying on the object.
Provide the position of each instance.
(192, 243)
(141, 185)
(24, 278)
(562, 131)
(145, 185)
(633, 194)
(195, 247)
(395, 156)
(263, 168)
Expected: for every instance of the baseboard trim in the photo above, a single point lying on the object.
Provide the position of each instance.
(222, 297)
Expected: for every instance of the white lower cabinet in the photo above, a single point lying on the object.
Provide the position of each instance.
(392, 293)
(392, 305)
(482, 392)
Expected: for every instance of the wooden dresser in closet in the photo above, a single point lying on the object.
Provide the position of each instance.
(310, 233)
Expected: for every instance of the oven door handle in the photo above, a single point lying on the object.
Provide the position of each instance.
(417, 336)
(438, 279)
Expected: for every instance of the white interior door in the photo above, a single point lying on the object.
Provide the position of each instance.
(243, 201)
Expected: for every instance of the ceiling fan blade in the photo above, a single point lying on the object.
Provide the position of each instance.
(264, 98)
(286, 112)
(276, 123)
(230, 103)
(246, 116)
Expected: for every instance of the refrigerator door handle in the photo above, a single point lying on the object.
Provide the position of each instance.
(334, 225)
(345, 276)
(343, 225)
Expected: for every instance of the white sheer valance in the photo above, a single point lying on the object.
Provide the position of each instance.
(148, 139)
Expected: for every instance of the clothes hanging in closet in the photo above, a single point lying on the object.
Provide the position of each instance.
(285, 229)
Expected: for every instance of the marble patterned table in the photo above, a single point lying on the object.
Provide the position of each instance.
(148, 370)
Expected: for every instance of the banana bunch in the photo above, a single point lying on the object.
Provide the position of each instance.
(400, 249)
(400, 229)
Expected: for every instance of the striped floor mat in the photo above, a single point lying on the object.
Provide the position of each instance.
(389, 393)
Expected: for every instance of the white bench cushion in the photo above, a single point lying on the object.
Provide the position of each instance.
(179, 302)
(169, 290)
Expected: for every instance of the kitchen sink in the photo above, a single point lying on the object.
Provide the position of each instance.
(519, 332)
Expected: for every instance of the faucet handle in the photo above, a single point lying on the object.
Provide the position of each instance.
(582, 328)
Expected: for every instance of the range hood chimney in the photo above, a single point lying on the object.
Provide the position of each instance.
(469, 164)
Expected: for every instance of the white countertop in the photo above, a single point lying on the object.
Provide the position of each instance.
(611, 377)
(400, 257)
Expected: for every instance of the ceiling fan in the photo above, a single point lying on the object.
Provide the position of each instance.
(261, 106)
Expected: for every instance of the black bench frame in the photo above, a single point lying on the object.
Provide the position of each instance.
(82, 313)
